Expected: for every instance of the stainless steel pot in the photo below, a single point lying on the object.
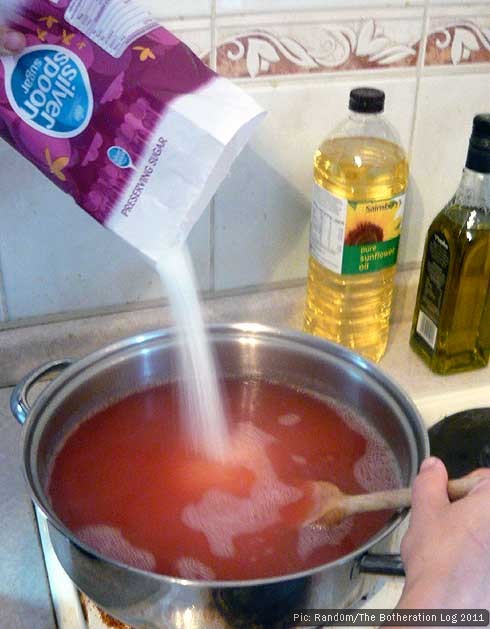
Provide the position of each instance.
(151, 600)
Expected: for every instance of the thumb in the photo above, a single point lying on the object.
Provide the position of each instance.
(429, 490)
(11, 41)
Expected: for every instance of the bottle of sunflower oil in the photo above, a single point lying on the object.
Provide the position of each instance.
(360, 178)
(451, 324)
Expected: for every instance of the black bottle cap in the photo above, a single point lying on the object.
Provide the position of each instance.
(367, 100)
(479, 150)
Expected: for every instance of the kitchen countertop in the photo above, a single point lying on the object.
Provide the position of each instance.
(24, 594)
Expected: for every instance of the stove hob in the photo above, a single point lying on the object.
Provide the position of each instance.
(462, 441)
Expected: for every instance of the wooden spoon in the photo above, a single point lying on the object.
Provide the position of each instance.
(333, 506)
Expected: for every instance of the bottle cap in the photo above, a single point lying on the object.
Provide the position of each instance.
(479, 149)
(367, 100)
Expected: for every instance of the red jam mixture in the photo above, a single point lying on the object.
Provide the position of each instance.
(126, 483)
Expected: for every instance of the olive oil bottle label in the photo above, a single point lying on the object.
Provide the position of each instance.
(351, 237)
(434, 280)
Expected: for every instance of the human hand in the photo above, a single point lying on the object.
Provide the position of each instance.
(11, 42)
(446, 550)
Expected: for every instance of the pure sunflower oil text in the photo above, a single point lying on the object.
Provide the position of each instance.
(357, 210)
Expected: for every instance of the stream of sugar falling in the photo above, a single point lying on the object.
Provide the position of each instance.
(203, 411)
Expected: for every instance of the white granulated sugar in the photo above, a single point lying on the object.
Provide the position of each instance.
(207, 427)
(221, 516)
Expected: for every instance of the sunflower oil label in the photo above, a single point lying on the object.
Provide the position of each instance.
(352, 237)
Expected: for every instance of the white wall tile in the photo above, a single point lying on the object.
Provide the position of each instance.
(243, 6)
(55, 258)
(463, 3)
(447, 104)
(194, 33)
(182, 8)
(263, 208)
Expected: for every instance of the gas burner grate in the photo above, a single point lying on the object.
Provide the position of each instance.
(462, 441)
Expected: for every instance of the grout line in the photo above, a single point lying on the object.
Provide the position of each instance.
(151, 304)
(213, 62)
(267, 82)
(312, 78)
(213, 55)
(301, 17)
(4, 313)
(212, 253)
(419, 72)
(460, 10)
(458, 70)
(135, 307)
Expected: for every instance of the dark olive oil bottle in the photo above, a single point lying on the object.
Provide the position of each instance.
(451, 324)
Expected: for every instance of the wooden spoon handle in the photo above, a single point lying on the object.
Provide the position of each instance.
(461, 487)
(377, 501)
(401, 498)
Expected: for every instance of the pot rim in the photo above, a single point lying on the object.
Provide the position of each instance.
(228, 329)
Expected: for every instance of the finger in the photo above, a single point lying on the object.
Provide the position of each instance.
(429, 491)
(11, 41)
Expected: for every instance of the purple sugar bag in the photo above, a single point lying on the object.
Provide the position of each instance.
(122, 116)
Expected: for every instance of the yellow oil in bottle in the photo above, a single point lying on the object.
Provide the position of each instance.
(461, 339)
(354, 309)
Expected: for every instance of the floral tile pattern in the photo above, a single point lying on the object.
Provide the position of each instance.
(458, 41)
(283, 47)
(313, 48)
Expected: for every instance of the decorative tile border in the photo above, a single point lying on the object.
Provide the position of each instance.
(281, 45)
(455, 41)
(330, 46)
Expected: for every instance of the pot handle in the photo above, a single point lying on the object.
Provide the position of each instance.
(388, 565)
(18, 400)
